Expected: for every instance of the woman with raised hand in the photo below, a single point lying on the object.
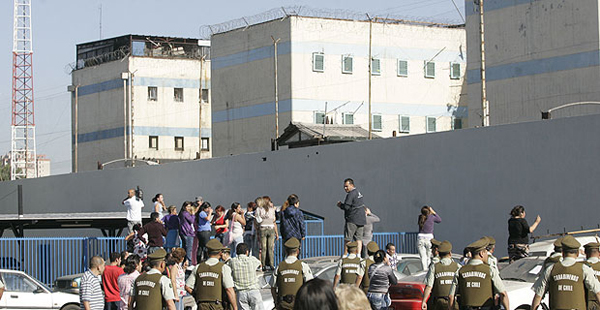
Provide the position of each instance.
(427, 219)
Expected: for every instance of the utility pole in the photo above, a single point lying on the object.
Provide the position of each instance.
(74, 89)
(200, 107)
(485, 105)
(275, 41)
(370, 75)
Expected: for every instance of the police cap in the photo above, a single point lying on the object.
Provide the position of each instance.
(292, 243)
(479, 245)
(435, 243)
(558, 245)
(570, 243)
(491, 240)
(592, 245)
(158, 255)
(214, 245)
(226, 250)
(372, 247)
(352, 244)
(445, 247)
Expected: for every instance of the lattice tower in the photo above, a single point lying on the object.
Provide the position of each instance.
(23, 154)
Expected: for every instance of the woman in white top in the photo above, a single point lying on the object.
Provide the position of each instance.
(237, 223)
(159, 204)
(268, 231)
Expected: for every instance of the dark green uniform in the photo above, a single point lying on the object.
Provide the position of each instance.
(364, 284)
(289, 280)
(350, 267)
(592, 302)
(566, 287)
(438, 300)
(148, 295)
(209, 286)
(475, 286)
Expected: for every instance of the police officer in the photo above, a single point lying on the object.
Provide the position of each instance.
(210, 278)
(363, 279)
(348, 269)
(439, 279)
(152, 290)
(289, 276)
(477, 282)
(492, 260)
(592, 254)
(566, 281)
(555, 257)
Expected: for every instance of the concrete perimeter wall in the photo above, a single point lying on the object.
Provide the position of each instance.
(472, 177)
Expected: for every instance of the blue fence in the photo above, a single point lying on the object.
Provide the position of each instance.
(49, 258)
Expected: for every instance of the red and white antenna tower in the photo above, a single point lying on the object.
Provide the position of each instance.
(23, 155)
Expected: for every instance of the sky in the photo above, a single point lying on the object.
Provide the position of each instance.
(58, 25)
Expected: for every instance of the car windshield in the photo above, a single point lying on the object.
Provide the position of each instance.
(522, 270)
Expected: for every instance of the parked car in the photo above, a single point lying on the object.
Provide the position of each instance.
(68, 284)
(24, 292)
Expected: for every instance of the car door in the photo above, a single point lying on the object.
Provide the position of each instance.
(22, 292)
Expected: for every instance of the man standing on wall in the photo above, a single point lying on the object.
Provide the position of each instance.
(134, 206)
(355, 215)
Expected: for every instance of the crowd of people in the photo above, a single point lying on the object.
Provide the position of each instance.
(225, 249)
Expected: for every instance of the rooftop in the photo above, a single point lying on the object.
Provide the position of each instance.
(307, 134)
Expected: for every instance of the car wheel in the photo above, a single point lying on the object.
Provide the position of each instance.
(523, 307)
(70, 307)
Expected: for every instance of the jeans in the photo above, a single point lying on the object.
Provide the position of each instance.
(112, 305)
(379, 301)
(250, 240)
(234, 243)
(203, 238)
(250, 300)
(424, 248)
(188, 243)
(172, 239)
(267, 246)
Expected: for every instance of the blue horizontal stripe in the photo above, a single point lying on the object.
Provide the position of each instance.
(260, 53)
(100, 87)
(329, 49)
(142, 131)
(319, 105)
(491, 5)
(538, 66)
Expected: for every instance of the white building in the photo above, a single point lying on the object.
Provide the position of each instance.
(140, 97)
(323, 66)
(42, 164)
(539, 55)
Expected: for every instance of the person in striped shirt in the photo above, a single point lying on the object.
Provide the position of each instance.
(91, 295)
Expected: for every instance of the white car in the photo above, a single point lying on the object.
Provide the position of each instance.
(24, 292)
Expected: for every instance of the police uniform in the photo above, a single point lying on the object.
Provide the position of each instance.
(476, 282)
(210, 279)
(554, 257)
(372, 247)
(151, 290)
(567, 281)
(289, 277)
(348, 268)
(439, 277)
(594, 263)
(492, 260)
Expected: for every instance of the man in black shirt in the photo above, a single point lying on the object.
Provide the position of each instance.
(354, 214)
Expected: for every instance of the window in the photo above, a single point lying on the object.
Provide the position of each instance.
(204, 95)
(457, 123)
(377, 123)
(347, 64)
(429, 69)
(431, 124)
(153, 142)
(454, 71)
(178, 143)
(18, 283)
(402, 67)
(319, 118)
(178, 94)
(318, 62)
(375, 66)
(152, 93)
(348, 118)
(204, 145)
(404, 124)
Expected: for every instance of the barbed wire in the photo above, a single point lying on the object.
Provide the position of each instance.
(206, 31)
(120, 53)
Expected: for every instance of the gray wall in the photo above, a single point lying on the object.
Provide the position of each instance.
(472, 177)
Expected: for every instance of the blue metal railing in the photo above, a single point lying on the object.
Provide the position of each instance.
(49, 258)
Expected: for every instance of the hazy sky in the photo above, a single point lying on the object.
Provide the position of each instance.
(58, 25)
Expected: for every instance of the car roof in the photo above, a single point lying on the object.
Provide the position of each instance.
(546, 247)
